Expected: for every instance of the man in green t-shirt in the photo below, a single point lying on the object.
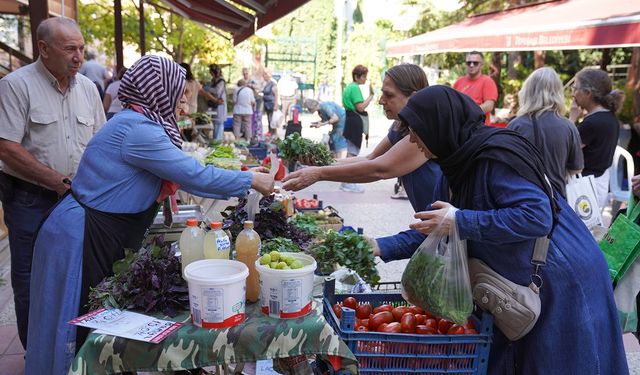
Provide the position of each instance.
(357, 121)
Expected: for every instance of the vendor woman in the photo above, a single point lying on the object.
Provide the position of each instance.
(129, 166)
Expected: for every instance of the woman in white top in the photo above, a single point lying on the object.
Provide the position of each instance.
(110, 102)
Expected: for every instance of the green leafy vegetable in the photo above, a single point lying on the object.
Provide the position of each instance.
(148, 280)
(283, 245)
(297, 148)
(348, 249)
(426, 284)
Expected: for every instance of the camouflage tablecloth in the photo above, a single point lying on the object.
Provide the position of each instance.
(258, 337)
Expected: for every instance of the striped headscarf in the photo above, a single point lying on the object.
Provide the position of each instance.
(153, 86)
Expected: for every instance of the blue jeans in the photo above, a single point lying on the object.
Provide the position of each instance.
(23, 212)
(218, 130)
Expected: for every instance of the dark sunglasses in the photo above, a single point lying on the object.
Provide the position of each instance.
(473, 63)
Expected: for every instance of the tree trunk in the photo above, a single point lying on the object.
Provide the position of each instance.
(606, 59)
(495, 69)
(515, 57)
(633, 82)
(538, 59)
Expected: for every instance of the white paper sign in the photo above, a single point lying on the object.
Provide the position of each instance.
(127, 324)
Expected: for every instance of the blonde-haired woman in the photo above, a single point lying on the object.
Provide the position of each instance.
(541, 120)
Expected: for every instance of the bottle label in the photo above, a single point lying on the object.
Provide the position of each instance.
(223, 243)
(291, 295)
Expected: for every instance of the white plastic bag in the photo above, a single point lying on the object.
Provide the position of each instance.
(277, 119)
(582, 198)
(437, 276)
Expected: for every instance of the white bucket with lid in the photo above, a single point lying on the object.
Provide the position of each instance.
(287, 294)
(217, 290)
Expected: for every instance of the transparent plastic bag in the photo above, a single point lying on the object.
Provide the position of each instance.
(437, 276)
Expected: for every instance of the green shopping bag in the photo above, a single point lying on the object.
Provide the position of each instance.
(621, 243)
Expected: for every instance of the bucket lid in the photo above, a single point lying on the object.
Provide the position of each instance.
(216, 271)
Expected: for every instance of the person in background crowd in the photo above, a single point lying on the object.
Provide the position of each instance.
(599, 129)
(287, 87)
(256, 85)
(496, 179)
(218, 90)
(95, 72)
(542, 104)
(270, 98)
(481, 88)
(114, 204)
(355, 106)
(192, 90)
(330, 114)
(325, 93)
(110, 102)
(48, 114)
(243, 104)
(394, 156)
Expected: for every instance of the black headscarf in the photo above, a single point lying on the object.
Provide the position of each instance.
(451, 125)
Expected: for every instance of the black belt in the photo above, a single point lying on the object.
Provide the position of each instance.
(23, 185)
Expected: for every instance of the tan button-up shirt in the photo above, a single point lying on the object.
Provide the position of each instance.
(53, 126)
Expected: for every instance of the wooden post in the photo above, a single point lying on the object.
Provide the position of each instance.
(143, 49)
(38, 12)
(117, 15)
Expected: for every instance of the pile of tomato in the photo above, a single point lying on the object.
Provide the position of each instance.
(307, 203)
(401, 319)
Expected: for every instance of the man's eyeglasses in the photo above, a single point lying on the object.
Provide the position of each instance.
(473, 63)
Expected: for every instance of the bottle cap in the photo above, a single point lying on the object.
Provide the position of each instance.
(192, 222)
(248, 224)
(216, 225)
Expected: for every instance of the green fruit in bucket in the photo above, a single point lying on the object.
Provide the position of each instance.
(296, 265)
(273, 265)
(265, 259)
(275, 255)
(282, 265)
(288, 259)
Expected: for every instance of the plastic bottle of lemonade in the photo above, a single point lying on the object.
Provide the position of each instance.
(248, 249)
(216, 242)
(191, 243)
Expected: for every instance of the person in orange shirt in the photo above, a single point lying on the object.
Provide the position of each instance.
(478, 86)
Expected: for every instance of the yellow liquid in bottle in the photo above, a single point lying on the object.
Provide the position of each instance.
(216, 243)
(248, 246)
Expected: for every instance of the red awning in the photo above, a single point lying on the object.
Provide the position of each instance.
(240, 18)
(558, 25)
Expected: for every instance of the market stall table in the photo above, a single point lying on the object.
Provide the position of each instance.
(258, 337)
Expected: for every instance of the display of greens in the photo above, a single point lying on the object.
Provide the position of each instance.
(149, 280)
(348, 249)
(297, 148)
(307, 223)
(270, 222)
(280, 244)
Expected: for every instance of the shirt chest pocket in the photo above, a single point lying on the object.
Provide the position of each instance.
(43, 129)
(85, 125)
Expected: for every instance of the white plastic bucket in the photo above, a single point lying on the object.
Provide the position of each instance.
(287, 294)
(217, 290)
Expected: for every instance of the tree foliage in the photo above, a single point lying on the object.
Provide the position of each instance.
(165, 32)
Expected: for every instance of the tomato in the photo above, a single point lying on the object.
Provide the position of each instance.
(350, 302)
(420, 319)
(380, 308)
(398, 312)
(455, 330)
(416, 310)
(470, 331)
(408, 323)
(337, 310)
(364, 322)
(431, 323)
(424, 330)
(444, 325)
(357, 324)
(362, 328)
(469, 324)
(363, 311)
(429, 315)
(381, 327)
(379, 318)
(393, 327)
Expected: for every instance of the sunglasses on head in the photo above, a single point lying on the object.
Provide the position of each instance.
(473, 63)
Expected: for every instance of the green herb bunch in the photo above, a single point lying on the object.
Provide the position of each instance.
(297, 148)
(348, 249)
(307, 223)
(281, 244)
(149, 280)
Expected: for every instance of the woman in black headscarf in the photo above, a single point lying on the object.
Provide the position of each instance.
(497, 180)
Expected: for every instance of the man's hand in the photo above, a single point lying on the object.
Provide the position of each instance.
(434, 221)
(263, 183)
(299, 180)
